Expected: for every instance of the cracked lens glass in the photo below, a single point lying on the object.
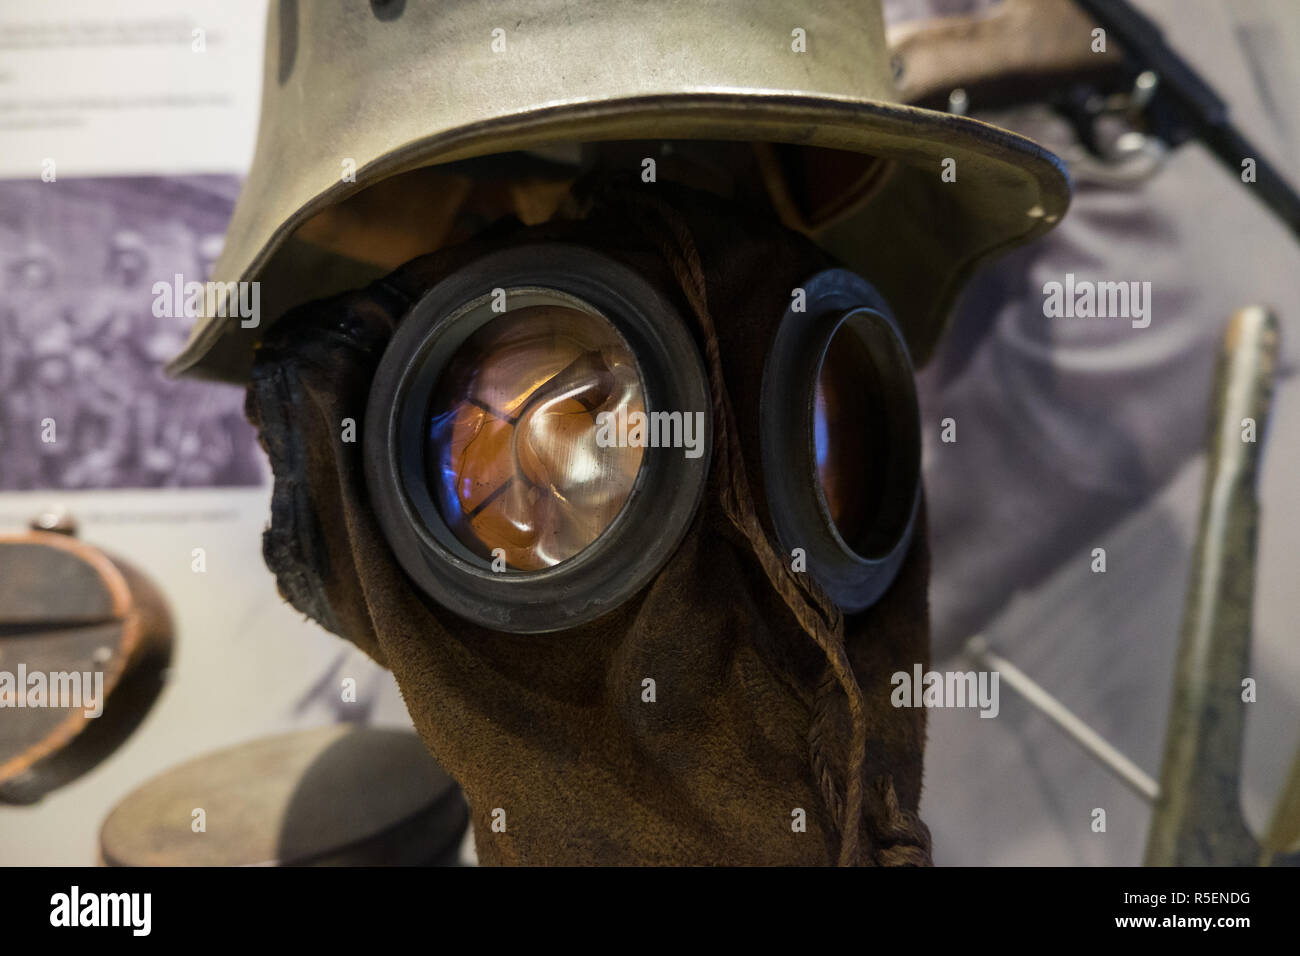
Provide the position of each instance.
(513, 459)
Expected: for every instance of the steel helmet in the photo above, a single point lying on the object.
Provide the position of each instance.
(384, 87)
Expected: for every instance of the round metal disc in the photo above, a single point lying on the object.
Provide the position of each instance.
(334, 795)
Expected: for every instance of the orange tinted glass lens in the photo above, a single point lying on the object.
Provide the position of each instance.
(848, 434)
(513, 460)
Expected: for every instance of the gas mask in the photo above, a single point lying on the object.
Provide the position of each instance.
(629, 502)
(626, 492)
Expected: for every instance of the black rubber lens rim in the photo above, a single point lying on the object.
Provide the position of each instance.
(787, 403)
(663, 500)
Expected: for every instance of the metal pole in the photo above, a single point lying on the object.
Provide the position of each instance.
(1087, 738)
(1197, 819)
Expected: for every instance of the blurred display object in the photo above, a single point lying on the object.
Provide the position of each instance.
(84, 643)
(331, 796)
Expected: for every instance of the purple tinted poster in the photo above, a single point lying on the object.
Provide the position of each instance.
(84, 401)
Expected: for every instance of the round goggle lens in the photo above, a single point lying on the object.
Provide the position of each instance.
(512, 457)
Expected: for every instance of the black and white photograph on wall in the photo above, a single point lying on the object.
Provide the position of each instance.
(85, 326)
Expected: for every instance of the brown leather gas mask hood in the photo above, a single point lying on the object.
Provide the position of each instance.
(725, 712)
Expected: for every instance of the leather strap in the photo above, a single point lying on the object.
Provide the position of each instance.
(1015, 52)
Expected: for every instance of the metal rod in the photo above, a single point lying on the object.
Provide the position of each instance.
(1126, 770)
(1197, 109)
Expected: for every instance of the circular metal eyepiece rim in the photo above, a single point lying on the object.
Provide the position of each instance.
(663, 501)
(795, 497)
